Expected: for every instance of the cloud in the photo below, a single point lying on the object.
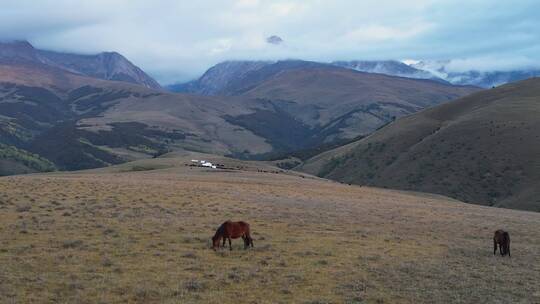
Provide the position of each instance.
(376, 33)
(491, 63)
(177, 40)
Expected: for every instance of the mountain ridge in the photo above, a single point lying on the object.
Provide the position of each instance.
(104, 65)
(218, 77)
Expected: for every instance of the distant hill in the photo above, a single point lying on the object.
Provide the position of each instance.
(482, 149)
(106, 65)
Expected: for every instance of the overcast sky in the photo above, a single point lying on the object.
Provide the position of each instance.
(175, 40)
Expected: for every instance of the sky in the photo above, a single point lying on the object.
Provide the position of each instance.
(177, 40)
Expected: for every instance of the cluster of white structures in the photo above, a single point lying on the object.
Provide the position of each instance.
(204, 163)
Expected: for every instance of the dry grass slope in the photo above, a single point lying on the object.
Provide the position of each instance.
(118, 235)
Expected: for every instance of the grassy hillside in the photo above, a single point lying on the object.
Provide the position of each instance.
(129, 234)
(17, 161)
(482, 149)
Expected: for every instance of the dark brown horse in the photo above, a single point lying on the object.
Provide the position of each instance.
(502, 238)
(232, 230)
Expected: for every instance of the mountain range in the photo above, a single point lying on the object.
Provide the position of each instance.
(106, 65)
(79, 117)
(216, 80)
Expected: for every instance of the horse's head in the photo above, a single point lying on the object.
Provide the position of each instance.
(215, 242)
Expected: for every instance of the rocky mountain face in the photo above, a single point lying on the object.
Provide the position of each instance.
(217, 78)
(106, 65)
(482, 148)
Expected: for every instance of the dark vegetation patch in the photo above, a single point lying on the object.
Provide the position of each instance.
(91, 101)
(40, 121)
(138, 168)
(29, 160)
(303, 154)
(288, 164)
(335, 126)
(13, 134)
(27, 114)
(83, 91)
(74, 149)
(62, 145)
(30, 106)
(281, 130)
(331, 166)
(290, 137)
(38, 95)
(130, 134)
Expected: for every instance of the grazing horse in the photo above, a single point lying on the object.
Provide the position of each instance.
(232, 230)
(502, 238)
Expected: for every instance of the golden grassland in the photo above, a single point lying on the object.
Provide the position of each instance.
(109, 236)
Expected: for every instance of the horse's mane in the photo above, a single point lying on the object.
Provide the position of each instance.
(221, 229)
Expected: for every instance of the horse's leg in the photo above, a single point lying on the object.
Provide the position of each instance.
(494, 247)
(501, 249)
(508, 249)
(244, 237)
(230, 244)
(224, 240)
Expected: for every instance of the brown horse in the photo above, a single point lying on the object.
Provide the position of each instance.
(502, 238)
(232, 230)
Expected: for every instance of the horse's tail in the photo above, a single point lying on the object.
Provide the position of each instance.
(507, 242)
(249, 240)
